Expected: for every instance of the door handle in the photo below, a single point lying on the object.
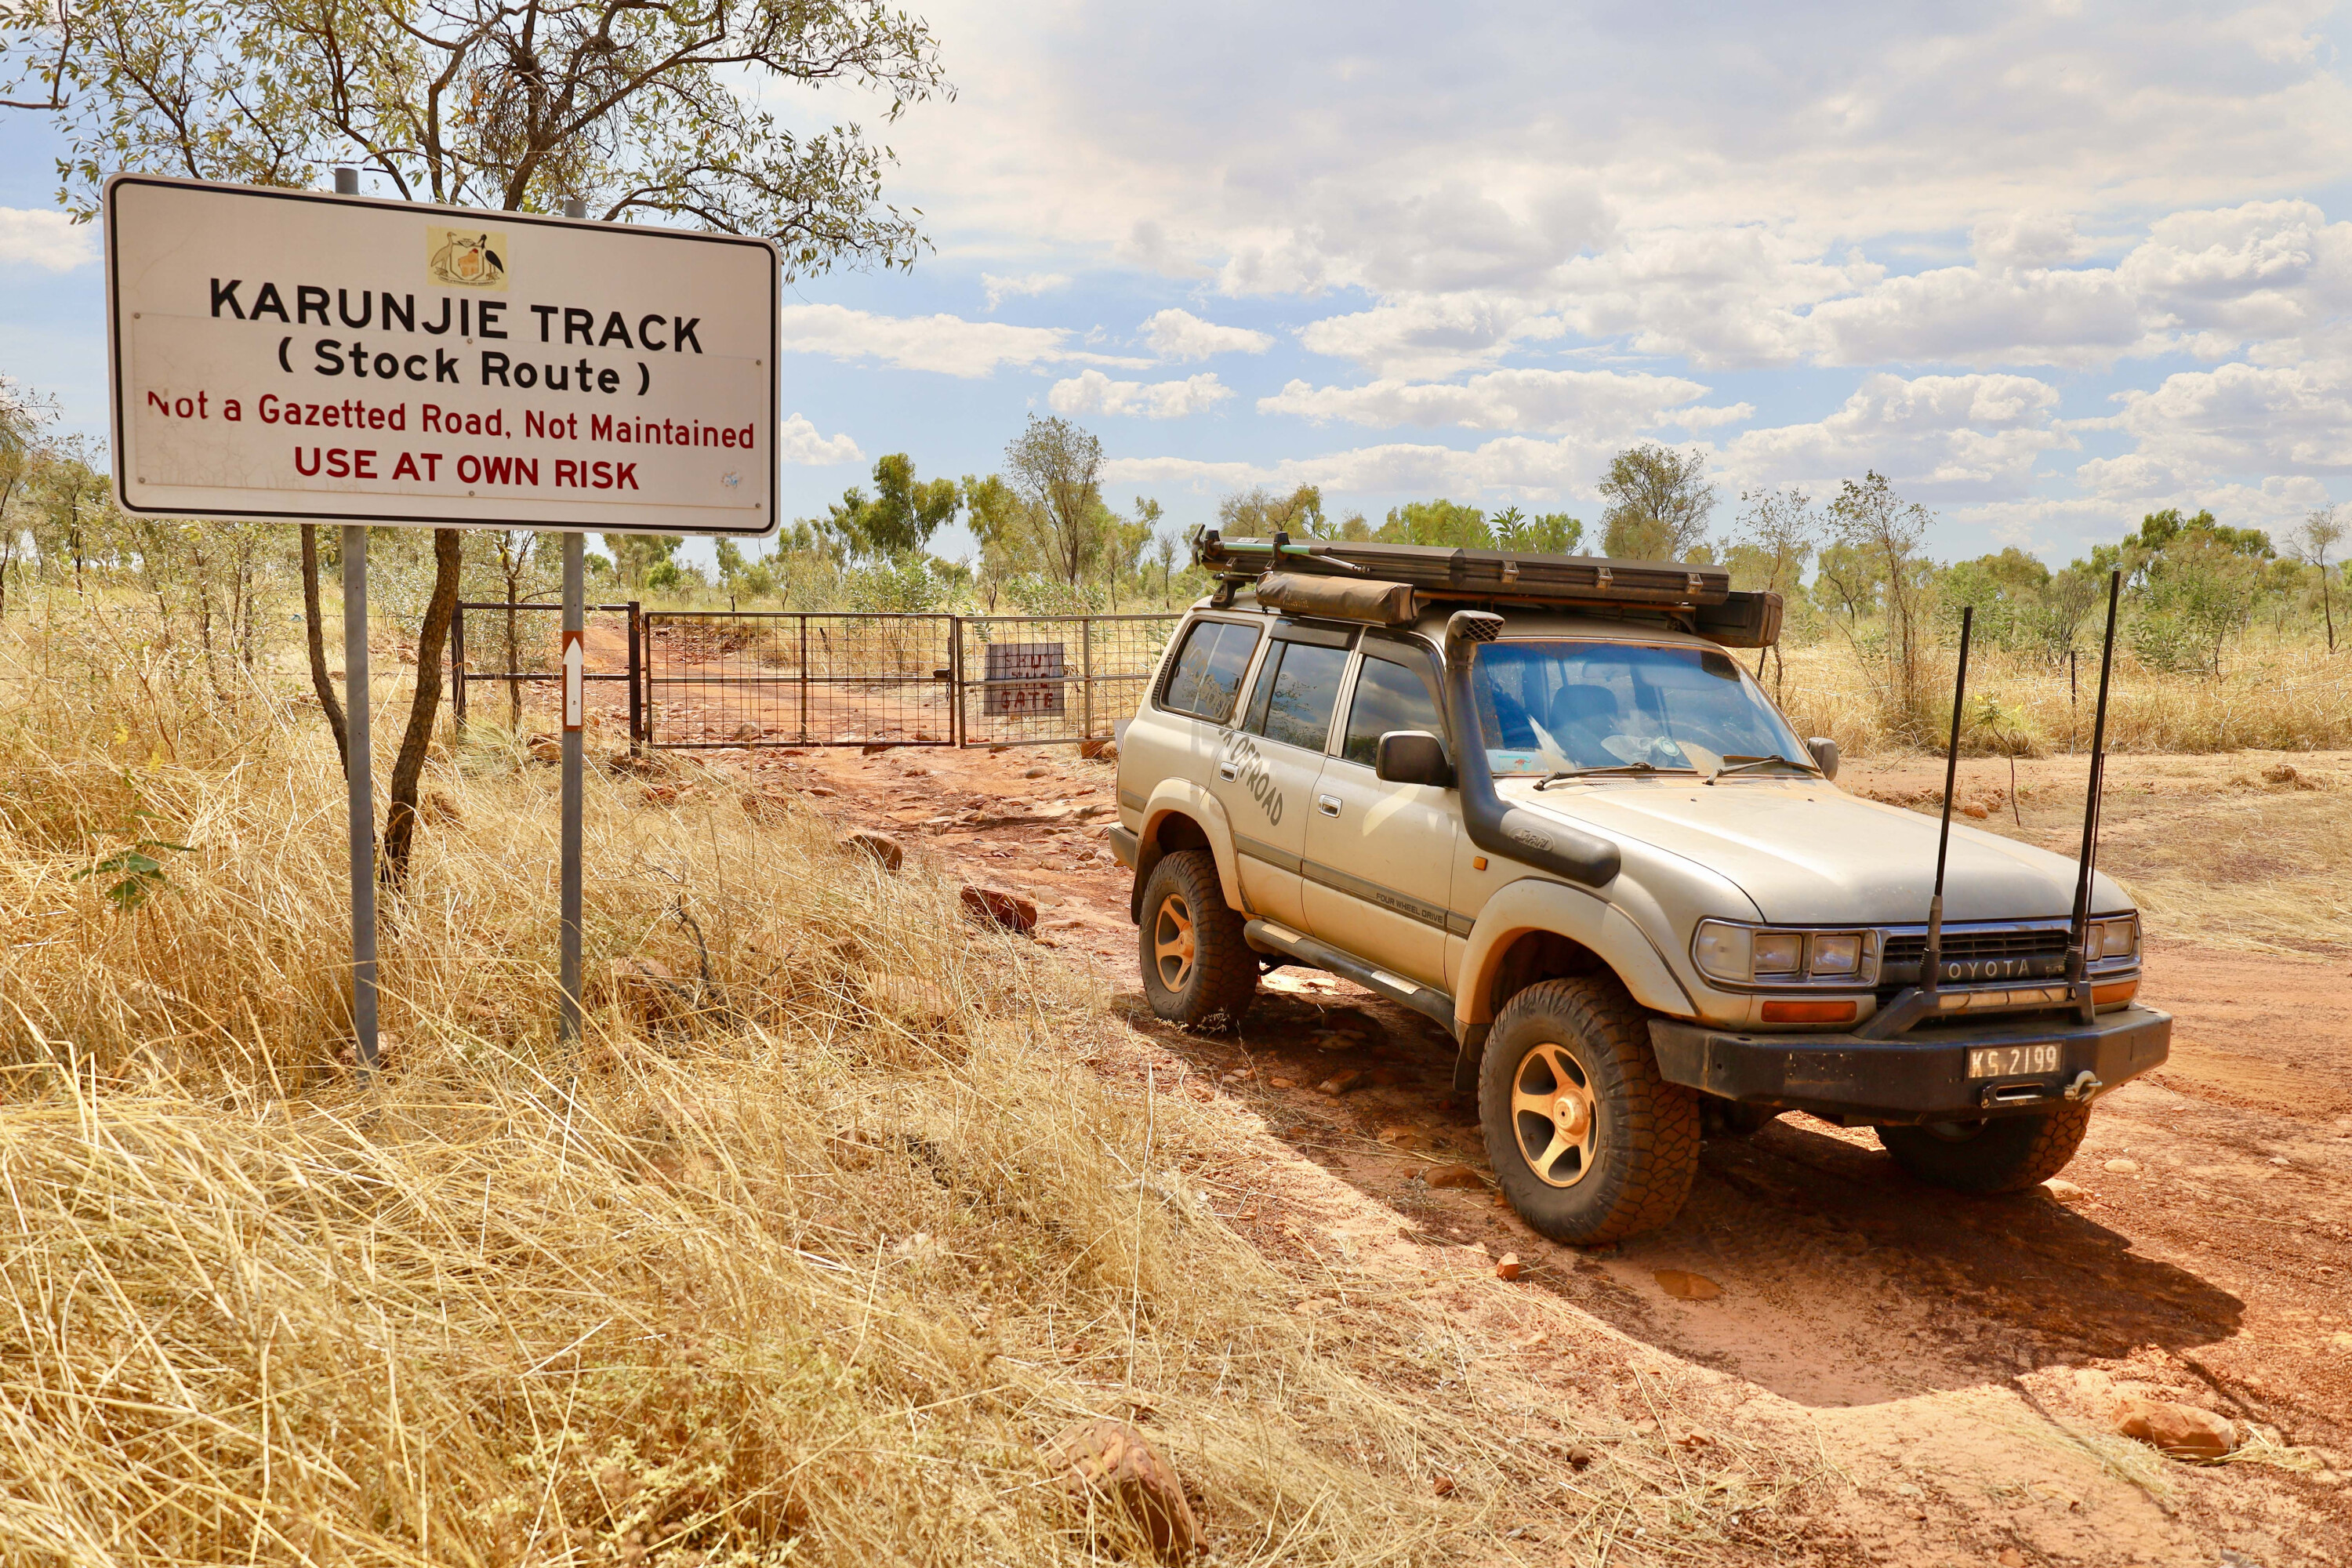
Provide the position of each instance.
(1227, 769)
(1329, 805)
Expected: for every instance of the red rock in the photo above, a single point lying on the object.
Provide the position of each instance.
(1451, 1176)
(1684, 1286)
(1443, 1486)
(1107, 1467)
(879, 846)
(1339, 1083)
(1509, 1267)
(999, 907)
(2183, 1431)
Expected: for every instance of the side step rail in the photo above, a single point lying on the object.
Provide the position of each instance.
(1269, 937)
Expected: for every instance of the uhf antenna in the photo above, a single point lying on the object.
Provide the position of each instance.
(1931, 967)
(2078, 931)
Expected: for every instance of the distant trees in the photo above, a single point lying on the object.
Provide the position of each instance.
(1055, 468)
(2320, 533)
(900, 518)
(1659, 503)
(1877, 567)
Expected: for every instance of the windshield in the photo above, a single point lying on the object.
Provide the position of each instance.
(1550, 707)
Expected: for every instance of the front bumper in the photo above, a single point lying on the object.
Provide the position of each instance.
(1918, 1076)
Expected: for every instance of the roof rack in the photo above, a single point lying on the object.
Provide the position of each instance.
(1701, 596)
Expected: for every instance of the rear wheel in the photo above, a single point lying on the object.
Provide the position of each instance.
(1196, 967)
(1996, 1154)
(1588, 1142)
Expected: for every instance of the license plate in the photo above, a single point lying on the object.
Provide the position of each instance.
(2013, 1061)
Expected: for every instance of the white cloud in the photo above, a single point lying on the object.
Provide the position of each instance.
(797, 441)
(1092, 391)
(1722, 296)
(1957, 314)
(1936, 436)
(1179, 334)
(1427, 337)
(1001, 288)
(1604, 404)
(49, 240)
(2244, 419)
(947, 344)
(1516, 465)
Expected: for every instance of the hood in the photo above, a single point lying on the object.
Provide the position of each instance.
(1810, 854)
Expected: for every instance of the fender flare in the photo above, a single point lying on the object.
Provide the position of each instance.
(1538, 904)
(1181, 798)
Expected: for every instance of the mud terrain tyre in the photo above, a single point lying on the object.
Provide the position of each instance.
(1588, 1142)
(1196, 967)
(1998, 1154)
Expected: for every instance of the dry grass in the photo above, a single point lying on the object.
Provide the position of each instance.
(2244, 850)
(806, 1276)
(2290, 696)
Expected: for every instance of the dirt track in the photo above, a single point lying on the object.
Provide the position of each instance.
(1956, 1359)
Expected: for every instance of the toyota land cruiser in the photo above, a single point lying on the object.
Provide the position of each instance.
(1537, 799)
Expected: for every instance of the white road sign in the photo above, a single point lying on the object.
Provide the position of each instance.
(287, 353)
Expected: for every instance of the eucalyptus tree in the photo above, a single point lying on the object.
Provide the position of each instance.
(673, 114)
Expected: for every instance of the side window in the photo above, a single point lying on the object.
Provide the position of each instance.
(1296, 693)
(1207, 674)
(1388, 697)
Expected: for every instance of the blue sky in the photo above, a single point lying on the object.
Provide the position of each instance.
(2048, 266)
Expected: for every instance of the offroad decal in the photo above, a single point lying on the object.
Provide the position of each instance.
(1251, 773)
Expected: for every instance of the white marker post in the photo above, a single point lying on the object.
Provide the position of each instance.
(302, 357)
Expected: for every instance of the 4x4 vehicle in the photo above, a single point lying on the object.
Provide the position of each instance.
(1535, 798)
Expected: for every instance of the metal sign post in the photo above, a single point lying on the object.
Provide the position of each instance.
(316, 358)
(567, 1028)
(361, 776)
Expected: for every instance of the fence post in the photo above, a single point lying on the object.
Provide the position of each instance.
(804, 683)
(457, 670)
(1086, 682)
(955, 681)
(636, 676)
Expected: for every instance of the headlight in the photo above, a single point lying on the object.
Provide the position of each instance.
(2114, 937)
(1752, 955)
(1837, 952)
(1775, 952)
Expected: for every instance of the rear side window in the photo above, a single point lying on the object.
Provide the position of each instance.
(1388, 697)
(1207, 675)
(1296, 693)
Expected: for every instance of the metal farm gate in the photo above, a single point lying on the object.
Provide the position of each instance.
(716, 679)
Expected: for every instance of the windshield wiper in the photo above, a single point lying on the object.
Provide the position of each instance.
(1590, 773)
(1738, 764)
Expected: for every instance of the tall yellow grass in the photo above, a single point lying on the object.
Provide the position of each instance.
(804, 1275)
(2276, 695)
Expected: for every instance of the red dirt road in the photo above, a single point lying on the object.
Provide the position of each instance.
(1957, 1359)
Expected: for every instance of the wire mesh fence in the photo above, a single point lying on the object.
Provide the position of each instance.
(505, 665)
(720, 678)
(1032, 680)
(712, 679)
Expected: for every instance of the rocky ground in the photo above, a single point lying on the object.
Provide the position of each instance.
(1958, 1364)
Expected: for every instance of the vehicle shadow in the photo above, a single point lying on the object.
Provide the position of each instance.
(1823, 1272)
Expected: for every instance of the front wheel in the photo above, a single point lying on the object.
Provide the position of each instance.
(1196, 967)
(1588, 1142)
(1996, 1154)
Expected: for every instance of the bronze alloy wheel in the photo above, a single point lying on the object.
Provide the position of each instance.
(1173, 948)
(1197, 966)
(1555, 1115)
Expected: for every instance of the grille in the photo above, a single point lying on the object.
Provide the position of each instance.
(1977, 954)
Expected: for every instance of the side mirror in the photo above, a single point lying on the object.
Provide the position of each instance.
(1826, 755)
(1413, 757)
